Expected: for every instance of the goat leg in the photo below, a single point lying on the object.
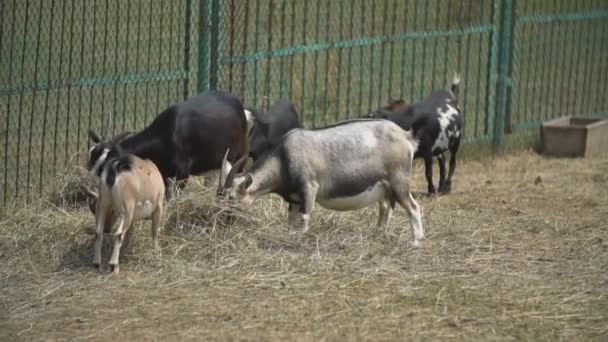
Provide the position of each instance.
(119, 236)
(101, 215)
(384, 214)
(428, 170)
(451, 172)
(308, 198)
(156, 222)
(442, 182)
(294, 209)
(401, 188)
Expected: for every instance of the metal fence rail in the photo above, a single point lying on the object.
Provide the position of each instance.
(67, 65)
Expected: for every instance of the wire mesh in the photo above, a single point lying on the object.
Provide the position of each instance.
(339, 59)
(68, 66)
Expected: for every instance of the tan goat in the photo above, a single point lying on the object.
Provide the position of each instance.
(131, 189)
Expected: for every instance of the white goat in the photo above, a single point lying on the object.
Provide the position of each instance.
(346, 166)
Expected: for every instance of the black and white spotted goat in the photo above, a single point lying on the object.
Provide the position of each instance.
(347, 166)
(129, 188)
(437, 125)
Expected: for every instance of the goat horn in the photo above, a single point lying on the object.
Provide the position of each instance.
(91, 193)
(226, 167)
(232, 174)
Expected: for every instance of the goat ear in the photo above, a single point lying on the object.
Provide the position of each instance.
(90, 193)
(94, 137)
(240, 163)
(226, 167)
(248, 180)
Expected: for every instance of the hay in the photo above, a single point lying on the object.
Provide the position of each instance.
(518, 251)
(70, 189)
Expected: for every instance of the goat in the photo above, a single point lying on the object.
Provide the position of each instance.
(346, 166)
(188, 138)
(436, 123)
(130, 188)
(396, 105)
(269, 127)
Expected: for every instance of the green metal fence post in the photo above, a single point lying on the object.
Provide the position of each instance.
(491, 67)
(187, 46)
(503, 77)
(509, 65)
(215, 41)
(204, 27)
(209, 44)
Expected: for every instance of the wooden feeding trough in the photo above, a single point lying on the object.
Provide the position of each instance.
(574, 137)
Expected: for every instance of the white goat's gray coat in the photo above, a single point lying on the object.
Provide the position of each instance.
(346, 166)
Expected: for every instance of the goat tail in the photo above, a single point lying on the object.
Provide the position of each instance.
(455, 84)
(409, 134)
(120, 164)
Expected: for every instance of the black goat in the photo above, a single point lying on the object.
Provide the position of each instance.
(269, 127)
(436, 124)
(187, 138)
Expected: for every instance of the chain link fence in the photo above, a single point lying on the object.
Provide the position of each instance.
(68, 66)
(110, 65)
(339, 59)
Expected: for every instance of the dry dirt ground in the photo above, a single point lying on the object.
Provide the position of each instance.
(518, 251)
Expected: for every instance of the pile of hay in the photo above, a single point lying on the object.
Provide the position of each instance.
(71, 188)
(518, 251)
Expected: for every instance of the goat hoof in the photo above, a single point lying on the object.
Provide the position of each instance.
(417, 243)
(442, 189)
(114, 268)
